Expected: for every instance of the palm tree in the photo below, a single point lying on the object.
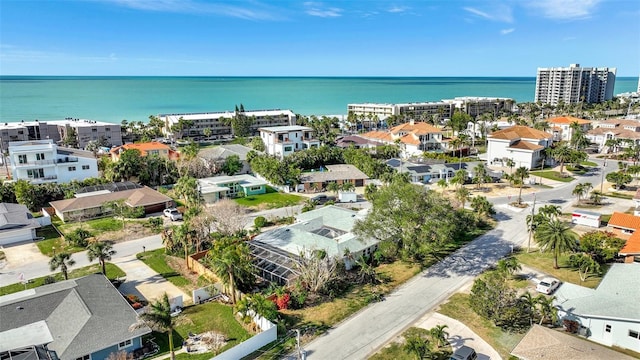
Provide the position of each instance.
(550, 212)
(158, 317)
(520, 174)
(556, 236)
(101, 250)
(230, 260)
(63, 261)
(443, 184)
(347, 186)
(563, 154)
(482, 206)
(509, 265)
(439, 334)
(333, 187)
(462, 195)
(547, 310)
(417, 345)
(530, 302)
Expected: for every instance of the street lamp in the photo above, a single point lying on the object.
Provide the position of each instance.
(604, 167)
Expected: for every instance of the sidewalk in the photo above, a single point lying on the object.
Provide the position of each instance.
(144, 282)
(459, 334)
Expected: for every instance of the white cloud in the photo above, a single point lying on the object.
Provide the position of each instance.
(320, 10)
(501, 13)
(565, 9)
(507, 31)
(397, 9)
(195, 7)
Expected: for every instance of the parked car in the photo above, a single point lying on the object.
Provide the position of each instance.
(172, 214)
(321, 199)
(548, 285)
(464, 353)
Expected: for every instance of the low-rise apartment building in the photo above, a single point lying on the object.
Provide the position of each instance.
(477, 105)
(281, 141)
(614, 129)
(42, 161)
(219, 122)
(562, 129)
(418, 109)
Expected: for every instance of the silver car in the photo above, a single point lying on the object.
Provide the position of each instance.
(548, 285)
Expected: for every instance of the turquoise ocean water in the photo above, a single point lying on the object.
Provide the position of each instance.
(113, 99)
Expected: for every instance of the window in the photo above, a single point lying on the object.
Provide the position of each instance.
(35, 173)
(86, 357)
(255, 188)
(85, 167)
(22, 159)
(72, 168)
(125, 344)
(107, 129)
(634, 334)
(40, 156)
(607, 328)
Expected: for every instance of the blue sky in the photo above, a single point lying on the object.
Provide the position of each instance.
(313, 38)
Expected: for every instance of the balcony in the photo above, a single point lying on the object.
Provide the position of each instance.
(63, 160)
(37, 180)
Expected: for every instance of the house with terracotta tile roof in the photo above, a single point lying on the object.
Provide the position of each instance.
(522, 144)
(562, 129)
(623, 225)
(414, 138)
(631, 249)
(146, 149)
(614, 129)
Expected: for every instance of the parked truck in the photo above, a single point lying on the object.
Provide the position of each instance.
(347, 196)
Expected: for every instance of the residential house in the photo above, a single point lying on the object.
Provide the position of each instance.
(79, 319)
(413, 137)
(220, 125)
(95, 204)
(355, 141)
(145, 149)
(16, 224)
(42, 161)
(215, 188)
(327, 229)
(631, 249)
(562, 127)
(220, 153)
(623, 225)
(608, 314)
(342, 173)
(281, 141)
(522, 144)
(636, 202)
(614, 129)
(428, 171)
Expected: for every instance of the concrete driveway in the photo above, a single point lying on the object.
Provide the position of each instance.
(459, 335)
(144, 282)
(22, 254)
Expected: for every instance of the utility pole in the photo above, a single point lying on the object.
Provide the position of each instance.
(604, 167)
(533, 211)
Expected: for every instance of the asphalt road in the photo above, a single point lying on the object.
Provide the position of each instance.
(368, 330)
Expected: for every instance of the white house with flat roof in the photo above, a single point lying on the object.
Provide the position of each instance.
(281, 141)
(608, 314)
(42, 161)
(215, 188)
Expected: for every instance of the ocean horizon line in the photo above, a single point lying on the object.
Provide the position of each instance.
(3, 76)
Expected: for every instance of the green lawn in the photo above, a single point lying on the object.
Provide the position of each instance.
(588, 163)
(94, 225)
(197, 319)
(156, 260)
(458, 307)
(552, 175)
(112, 272)
(272, 199)
(52, 239)
(544, 263)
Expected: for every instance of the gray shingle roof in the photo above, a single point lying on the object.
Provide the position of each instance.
(83, 316)
(334, 173)
(14, 216)
(224, 151)
(136, 197)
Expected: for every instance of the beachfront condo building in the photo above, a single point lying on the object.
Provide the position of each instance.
(194, 125)
(574, 84)
(79, 132)
(281, 141)
(372, 111)
(42, 161)
(475, 106)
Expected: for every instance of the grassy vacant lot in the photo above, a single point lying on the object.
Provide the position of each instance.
(458, 307)
(271, 200)
(553, 175)
(156, 260)
(112, 272)
(544, 262)
(109, 228)
(52, 239)
(197, 319)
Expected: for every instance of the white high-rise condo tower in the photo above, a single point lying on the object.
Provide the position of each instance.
(575, 84)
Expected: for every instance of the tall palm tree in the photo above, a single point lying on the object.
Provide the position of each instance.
(158, 317)
(101, 250)
(230, 260)
(462, 195)
(530, 302)
(563, 154)
(63, 261)
(439, 334)
(520, 174)
(554, 235)
(547, 310)
(333, 187)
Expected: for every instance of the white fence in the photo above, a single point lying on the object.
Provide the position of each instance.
(268, 334)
